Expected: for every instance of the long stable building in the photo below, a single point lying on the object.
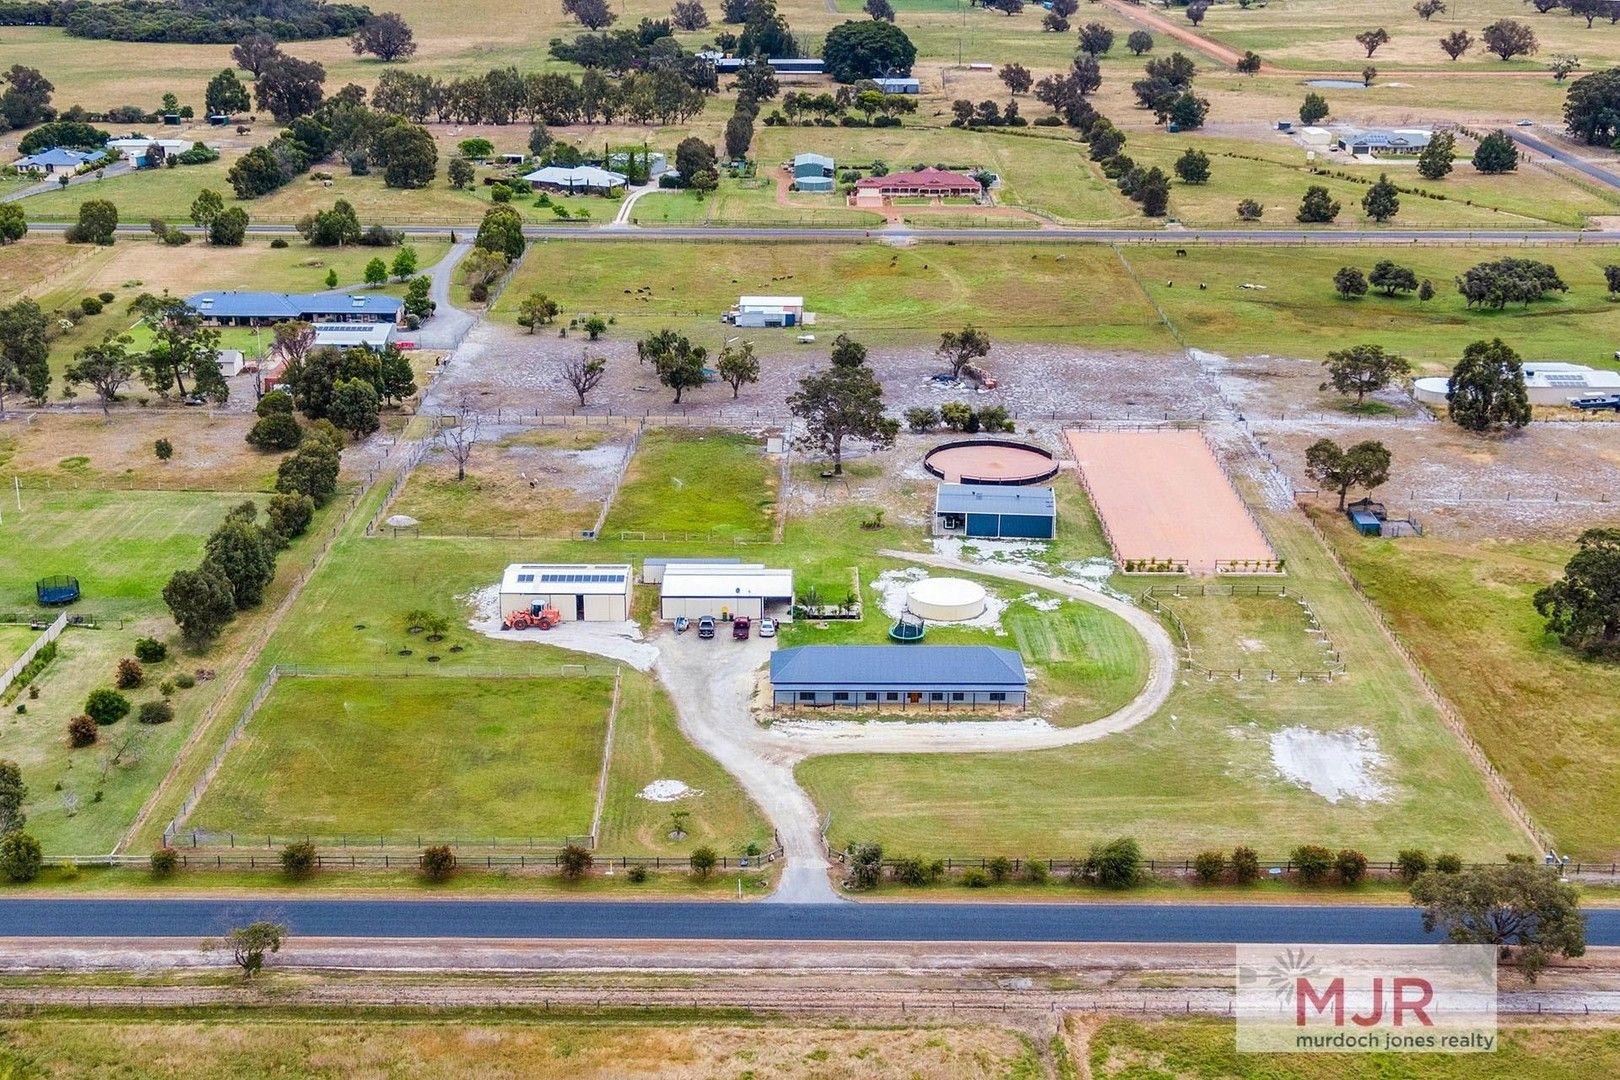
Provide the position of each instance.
(923, 676)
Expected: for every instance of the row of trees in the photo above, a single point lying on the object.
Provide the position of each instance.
(239, 562)
(195, 22)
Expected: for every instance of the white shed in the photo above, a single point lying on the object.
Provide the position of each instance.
(230, 362)
(579, 591)
(725, 591)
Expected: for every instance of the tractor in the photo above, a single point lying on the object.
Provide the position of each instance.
(536, 618)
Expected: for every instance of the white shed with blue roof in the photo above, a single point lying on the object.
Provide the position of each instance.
(899, 676)
(584, 592)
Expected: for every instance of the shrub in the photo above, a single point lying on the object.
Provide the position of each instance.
(106, 706)
(1413, 864)
(299, 860)
(82, 731)
(1116, 864)
(185, 680)
(911, 871)
(166, 687)
(165, 861)
(1448, 864)
(1313, 862)
(163, 449)
(999, 868)
(106, 297)
(703, 862)
(1352, 866)
(130, 674)
(90, 306)
(974, 878)
(150, 650)
(637, 875)
(155, 712)
(574, 862)
(922, 419)
(279, 242)
(1245, 866)
(276, 432)
(20, 856)
(1036, 871)
(438, 863)
(1209, 866)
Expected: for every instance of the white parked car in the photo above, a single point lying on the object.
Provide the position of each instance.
(767, 628)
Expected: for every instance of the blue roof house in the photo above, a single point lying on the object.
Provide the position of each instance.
(898, 676)
(975, 510)
(265, 308)
(57, 157)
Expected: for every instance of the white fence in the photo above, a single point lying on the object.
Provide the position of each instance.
(52, 632)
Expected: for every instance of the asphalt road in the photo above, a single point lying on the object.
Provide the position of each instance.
(1187, 923)
(1168, 237)
(1552, 150)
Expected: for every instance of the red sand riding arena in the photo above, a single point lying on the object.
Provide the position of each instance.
(1163, 497)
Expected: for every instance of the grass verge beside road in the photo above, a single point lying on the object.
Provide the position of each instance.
(436, 758)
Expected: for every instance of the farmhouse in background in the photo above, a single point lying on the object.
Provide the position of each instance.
(906, 85)
(580, 592)
(267, 308)
(57, 157)
(582, 178)
(1380, 143)
(929, 183)
(874, 676)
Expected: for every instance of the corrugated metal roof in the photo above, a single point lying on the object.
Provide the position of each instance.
(898, 665)
(813, 159)
(587, 578)
(56, 156)
(981, 499)
(691, 562)
(586, 176)
(269, 305)
(700, 582)
(770, 302)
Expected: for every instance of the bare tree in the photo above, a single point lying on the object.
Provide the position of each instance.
(457, 433)
(122, 749)
(583, 373)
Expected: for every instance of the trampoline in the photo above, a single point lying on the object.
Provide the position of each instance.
(53, 591)
(908, 628)
(990, 461)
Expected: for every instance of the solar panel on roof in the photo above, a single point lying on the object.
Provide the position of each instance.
(1566, 380)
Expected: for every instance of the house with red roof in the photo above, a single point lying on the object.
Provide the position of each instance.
(923, 183)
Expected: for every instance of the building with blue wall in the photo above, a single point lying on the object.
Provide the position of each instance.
(983, 512)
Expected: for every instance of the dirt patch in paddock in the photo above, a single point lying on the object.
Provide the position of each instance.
(1547, 480)
(524, 372)
(85, 450)
(520, 481)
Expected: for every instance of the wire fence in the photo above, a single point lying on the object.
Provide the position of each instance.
(1180, 866)
(356, 859)
(1448, 712)
(1150, 596)
(176, 830)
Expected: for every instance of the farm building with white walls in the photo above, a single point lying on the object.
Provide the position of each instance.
(725, 591)
(579, 591)
(652, 569)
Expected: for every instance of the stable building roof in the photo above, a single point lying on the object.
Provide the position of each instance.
(981, 667)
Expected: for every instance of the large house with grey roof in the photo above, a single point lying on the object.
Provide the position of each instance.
(268, 308)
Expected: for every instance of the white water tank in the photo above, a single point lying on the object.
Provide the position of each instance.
(945, 599)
